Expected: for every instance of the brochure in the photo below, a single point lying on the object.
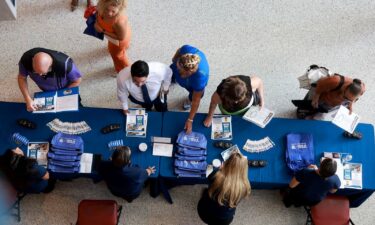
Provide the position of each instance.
(221, 127)
(259, 117)
(136, 123)
(56, 101)
(350, 174)
(162, 149)
(86, 163)
(345, 120)
(38, 151)
(226, 153)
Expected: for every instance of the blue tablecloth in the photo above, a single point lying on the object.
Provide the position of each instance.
(94, 140)
(327, 138)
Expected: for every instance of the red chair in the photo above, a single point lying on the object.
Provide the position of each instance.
(333, 210)
(98, 212)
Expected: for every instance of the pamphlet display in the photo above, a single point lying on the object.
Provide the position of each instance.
(136, 123)
(258, 116)
(56, 101)
(38, 151)
(221, 127)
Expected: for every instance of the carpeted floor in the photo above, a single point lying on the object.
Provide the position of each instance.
(276, 40)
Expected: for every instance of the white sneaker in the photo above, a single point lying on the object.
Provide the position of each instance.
(187, 104)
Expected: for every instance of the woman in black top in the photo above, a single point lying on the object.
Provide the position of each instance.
(235, 95)
(227, 187)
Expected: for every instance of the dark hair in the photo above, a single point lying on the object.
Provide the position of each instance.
(327, 168)
(355, 87)
(234, 94)
(121, 156)
(139, 69)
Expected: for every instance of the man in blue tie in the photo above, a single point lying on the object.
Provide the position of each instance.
(142, 84)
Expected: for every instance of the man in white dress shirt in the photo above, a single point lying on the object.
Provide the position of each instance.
(142, 83)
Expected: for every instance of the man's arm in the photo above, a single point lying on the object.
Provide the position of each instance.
(215, 100)
(293, 183)
(197, 95)
(122, 94)
(75, 83)
(22, 84)
(167, 78)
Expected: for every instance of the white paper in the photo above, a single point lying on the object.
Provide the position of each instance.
(221, 127)
(67, 103)
(162, 149)
(259, 117)
(226, 153)
(38, 151)
(86, 163)
(346, 121)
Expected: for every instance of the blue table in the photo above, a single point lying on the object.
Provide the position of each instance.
(94, 141)
(327, 138)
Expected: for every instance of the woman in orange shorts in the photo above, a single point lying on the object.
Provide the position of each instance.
(114, 24)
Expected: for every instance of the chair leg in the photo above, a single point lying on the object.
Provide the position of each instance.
(119, 210)
(308, 218)
(351, 221)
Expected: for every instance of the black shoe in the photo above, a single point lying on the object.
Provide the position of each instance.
(355, 135)
(223, 144)
(110, 128)
(26, 123)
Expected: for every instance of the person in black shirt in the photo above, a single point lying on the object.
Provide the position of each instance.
(227, 187)
(124, 179)
(235, 95)
(311, 185)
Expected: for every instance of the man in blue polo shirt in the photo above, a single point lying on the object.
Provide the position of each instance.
(50, 70)
(311, 185)
(191, 71)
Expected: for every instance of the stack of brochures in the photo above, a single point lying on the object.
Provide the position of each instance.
(260, 117)
(136, 123)
(221, 127)
(56, 101)
(350, 174)
(257, 146)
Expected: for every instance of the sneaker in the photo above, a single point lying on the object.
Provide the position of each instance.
(187, 104)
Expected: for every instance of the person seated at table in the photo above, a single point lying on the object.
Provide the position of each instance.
(24, 173)
(124, 179)
(226, 188)
(142, 84)
(327, 97)
(235, 95)
(50, 70)
(191, 71)
(311, 185)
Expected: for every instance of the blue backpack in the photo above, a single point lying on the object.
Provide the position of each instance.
(299, 151)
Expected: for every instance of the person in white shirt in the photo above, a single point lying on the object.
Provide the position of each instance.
(142, 84)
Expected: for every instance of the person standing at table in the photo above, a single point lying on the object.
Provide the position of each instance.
(112, 21)
(24, 173)
(124, 179)
(142, 84)
(311, 185)
(333, 91)
(50, 70)
(235, 95)
(191, 71)
(226, 188)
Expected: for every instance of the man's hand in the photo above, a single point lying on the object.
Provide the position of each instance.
(150, 170)
(315, 101)
(312, 166)
(188, 126)
(30, 106)
(207, 122)
(125, 111)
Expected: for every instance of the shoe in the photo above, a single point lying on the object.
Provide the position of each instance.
(257, 163)
(355, 135)
(110, 128)
(223, 144)
(26, 123)
(187, 104)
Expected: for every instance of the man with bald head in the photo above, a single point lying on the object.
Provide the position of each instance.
(50, 70)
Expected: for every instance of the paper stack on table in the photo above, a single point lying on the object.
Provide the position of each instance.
(259, 117)
(68, 128)
(221, 127)
(258, 145)
(136, 123)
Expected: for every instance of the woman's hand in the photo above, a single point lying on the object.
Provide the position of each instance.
(98, 28)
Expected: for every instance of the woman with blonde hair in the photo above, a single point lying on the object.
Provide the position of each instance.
(235, 95)
(227, 187)
(114, 24)
(191, 71)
